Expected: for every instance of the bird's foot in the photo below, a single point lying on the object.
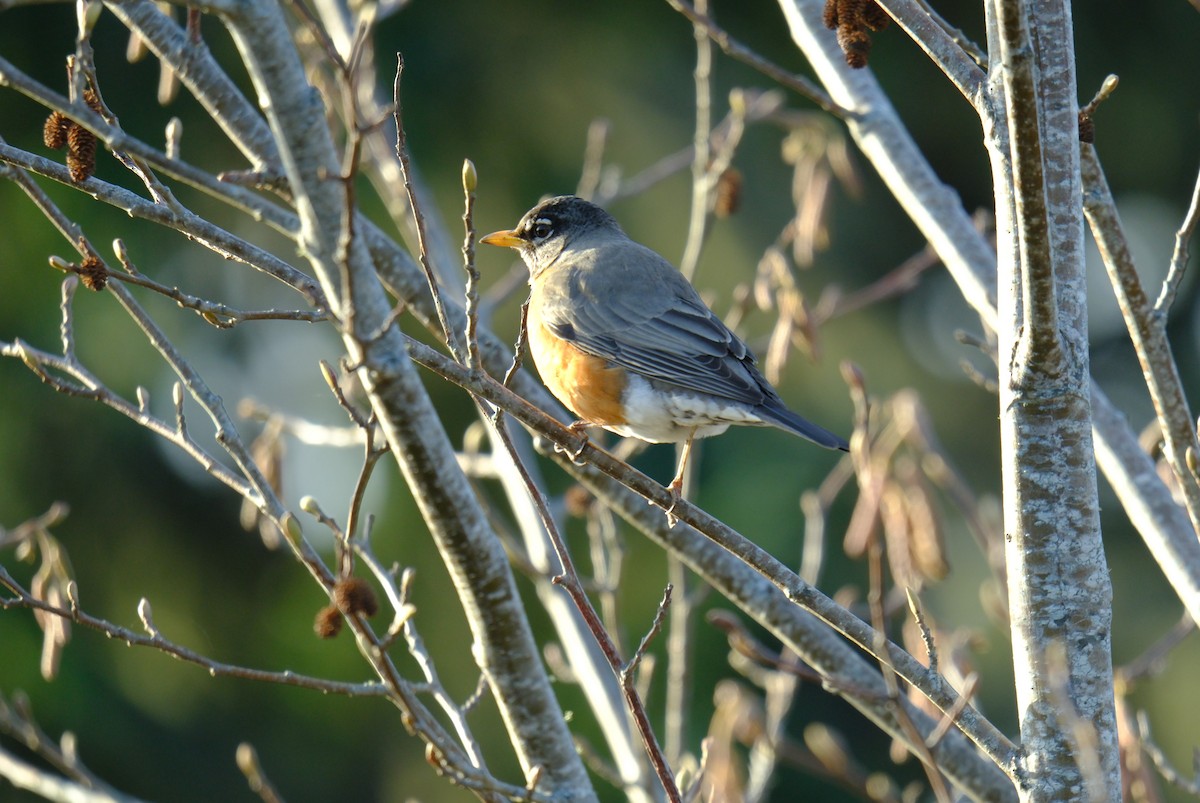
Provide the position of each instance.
(578, 427)
(675, 489)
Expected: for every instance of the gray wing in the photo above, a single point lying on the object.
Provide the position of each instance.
(641, 314)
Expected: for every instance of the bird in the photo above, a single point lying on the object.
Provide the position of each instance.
(623, 339)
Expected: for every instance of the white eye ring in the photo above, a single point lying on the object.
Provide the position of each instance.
(541, 229)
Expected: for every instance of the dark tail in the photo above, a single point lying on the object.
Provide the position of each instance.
(779, 416)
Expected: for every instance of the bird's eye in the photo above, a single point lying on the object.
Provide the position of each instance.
(541, 229)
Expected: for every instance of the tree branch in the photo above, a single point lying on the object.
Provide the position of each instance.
(785, 582)
(1058, 583)
(1147, 332)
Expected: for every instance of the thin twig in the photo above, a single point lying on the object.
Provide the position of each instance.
(1153, 660)
(679, 663)
(469, 182)
(397, 593)
(1179, 257)
(193, 226)
(260, 784)
(457, 714)
(630, 668)
(371, 456)
(84, 384)
(1160, 760)
(737, 50)
(45, 785)
(16, 719)
(519, 346)
(23, 599)
(915, 743)
(448, 333)
(901, 279)
(914, 605)
(220, 315)
(568, 578)
(701, 145)
(593, 159)
(1147, 331)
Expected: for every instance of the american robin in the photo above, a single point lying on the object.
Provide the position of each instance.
(623, 339)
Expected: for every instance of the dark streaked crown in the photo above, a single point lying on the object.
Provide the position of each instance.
(564, 216)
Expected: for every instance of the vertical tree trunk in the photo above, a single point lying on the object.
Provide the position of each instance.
(1059, 591)
(503, 647)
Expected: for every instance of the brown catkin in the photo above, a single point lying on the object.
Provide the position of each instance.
(354, 595)
(830, 15)
(1087, 128)
(54, 132)
(81, 153)
(93, 274)
(728, 193)
(875, 17)
(856, 44)
(81, 143)
(92, 100)
(328, 622)
(853, 19)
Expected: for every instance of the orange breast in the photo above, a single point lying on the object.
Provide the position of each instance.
(590, 386)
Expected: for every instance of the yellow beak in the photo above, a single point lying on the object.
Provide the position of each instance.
(508, 239)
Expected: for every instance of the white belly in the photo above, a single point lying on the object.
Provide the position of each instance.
(658, 417)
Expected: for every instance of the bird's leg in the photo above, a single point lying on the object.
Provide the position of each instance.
(676, 486)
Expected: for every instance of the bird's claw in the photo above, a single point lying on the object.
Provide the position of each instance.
(675, 489)
(578, 428)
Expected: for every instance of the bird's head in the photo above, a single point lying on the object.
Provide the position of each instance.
(553, 226)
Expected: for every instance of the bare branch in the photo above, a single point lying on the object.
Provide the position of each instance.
(784, 580)
(24, 775)
(23, 599)
(450, 338)
(469, 181)
(1161, 762)
(195, 227)
(1147, 331)
(16, 719)
(247, 761)
(568, 578)
(702, 183)
(954, 56)
(1179, 257)
(736, 50)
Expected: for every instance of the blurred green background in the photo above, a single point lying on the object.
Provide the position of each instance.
(514, 86)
